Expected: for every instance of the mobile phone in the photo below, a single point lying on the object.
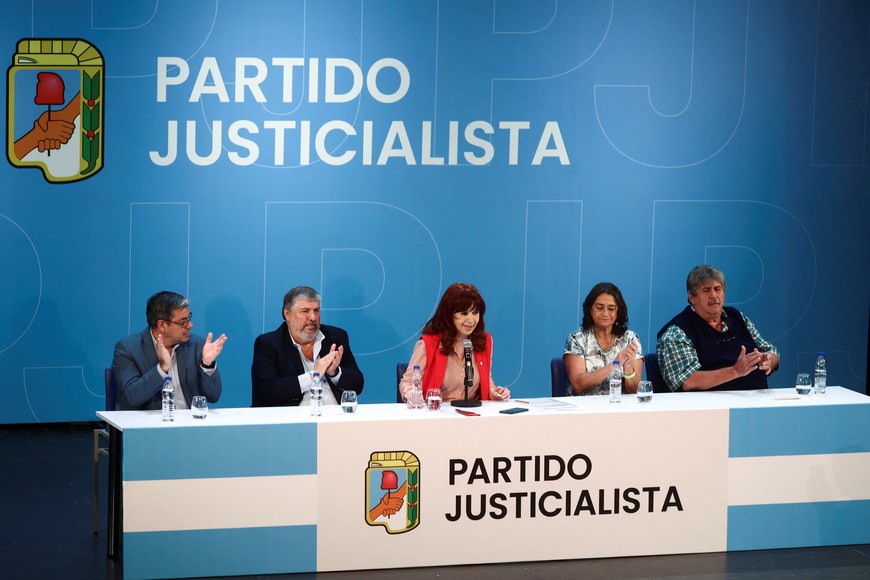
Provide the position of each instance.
(514, 410)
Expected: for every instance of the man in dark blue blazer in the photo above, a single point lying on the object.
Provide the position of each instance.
(166, 348)
(285, 358)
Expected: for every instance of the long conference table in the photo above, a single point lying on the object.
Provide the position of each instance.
(274, 490)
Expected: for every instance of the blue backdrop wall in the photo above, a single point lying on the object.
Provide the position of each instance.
(380, 150)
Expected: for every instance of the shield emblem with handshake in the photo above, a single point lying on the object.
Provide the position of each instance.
(393, 491)
(54, 108)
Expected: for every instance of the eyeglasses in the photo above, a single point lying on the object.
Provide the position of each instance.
(182, 323)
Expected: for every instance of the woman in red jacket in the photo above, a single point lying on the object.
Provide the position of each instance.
(440, 353)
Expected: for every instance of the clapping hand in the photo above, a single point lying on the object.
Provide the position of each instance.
(748, 362)
(164, 357)
(627, 354)
(327, 365)
(211, 350)
(767, 362)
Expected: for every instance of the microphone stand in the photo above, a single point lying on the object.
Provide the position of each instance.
(469, 379)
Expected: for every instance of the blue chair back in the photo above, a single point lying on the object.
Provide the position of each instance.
(654, 373)
(111, 390)
(400, 372)
(558, 377)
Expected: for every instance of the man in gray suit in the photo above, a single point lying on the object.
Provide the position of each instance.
(142, 361)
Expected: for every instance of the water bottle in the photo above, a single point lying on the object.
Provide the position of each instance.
(168, 394)
(616, 383)
(415, 394)
(820, 382)
(316, 392)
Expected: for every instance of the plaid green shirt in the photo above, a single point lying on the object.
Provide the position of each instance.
(678, 358)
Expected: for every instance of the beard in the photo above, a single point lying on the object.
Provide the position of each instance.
(308, 335)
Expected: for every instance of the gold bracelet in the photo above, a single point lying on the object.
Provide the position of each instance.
(631, 376)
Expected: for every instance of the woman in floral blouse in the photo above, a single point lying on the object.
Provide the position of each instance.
(603, 338)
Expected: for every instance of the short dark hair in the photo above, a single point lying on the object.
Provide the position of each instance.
(621, 324)
(299, 293)
(162, 305)
(701, 274)
(458, 297)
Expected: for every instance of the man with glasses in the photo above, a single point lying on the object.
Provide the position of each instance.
(166, 348)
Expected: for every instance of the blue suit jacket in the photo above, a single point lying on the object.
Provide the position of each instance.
(277, 365)
(139, 382)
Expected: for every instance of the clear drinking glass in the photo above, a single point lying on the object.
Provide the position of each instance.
(644, 391)
(348, 401)
(802, 384)
(199, 407)
(433, 399)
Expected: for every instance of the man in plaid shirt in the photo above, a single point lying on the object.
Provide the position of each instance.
(709, 346)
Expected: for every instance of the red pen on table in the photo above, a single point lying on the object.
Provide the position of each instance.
(467, 413)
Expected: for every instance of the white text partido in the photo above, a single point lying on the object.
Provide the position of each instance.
(281, 141)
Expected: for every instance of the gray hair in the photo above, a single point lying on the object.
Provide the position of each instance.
(162, 305)
(701, 274)
(299, 293)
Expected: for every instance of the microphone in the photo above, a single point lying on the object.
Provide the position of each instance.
(469, 378)
(469, 367)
